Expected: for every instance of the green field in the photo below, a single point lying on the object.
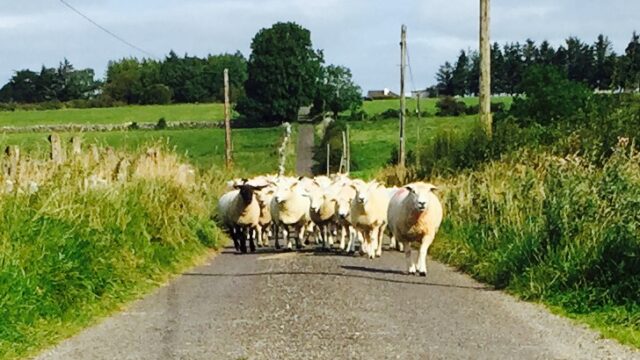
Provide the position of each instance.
(373, 141)
(255, 150)
(428, 105)
(115, 115)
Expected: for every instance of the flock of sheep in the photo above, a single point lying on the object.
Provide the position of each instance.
(324, 207)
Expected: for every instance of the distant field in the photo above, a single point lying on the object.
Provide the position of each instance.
(255, 150)
(115, 115)
(429, 104)
(372, 141)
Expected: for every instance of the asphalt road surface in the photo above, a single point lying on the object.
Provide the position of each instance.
(318, 305)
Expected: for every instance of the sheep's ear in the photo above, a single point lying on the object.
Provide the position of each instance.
(300, 178)
(258, 188)
(410, 188)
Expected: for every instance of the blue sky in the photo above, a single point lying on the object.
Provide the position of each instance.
(360, 34)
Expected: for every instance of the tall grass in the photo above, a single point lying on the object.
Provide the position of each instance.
(554, 229)
(71, 253)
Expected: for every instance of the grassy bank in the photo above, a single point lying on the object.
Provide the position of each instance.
(556, 230)
(71, 254)
(114, 115)
(255, 150)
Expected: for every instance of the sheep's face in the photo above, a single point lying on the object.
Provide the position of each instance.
(264, 196)
(246, 192)
(419, 197)
(343, 208)
(285, 192)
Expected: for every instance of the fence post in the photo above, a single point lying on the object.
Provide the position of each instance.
(328, 155)
(13, 159)
(56, 149)
(76, 145)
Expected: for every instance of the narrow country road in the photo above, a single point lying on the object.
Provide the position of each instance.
(318, 305)
(304, 150)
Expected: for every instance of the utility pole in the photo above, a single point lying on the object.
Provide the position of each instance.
(485, 69)
(348, 152)
(403, 57)
(227, 123)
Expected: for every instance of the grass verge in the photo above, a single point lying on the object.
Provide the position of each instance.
(556, 230)
(71, 254)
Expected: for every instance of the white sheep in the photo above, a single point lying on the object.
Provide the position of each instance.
(369, 215)
(344, 196)
(239, 212)
(290, 211)
(414, 215)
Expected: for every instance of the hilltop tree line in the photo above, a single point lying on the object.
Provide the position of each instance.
(283, 74)
(132, 81)
(595, 65)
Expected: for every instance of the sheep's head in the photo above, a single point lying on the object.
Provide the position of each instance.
(246, 191)
(343, 207)
(285, 190)
(264, 196)
(419, 195)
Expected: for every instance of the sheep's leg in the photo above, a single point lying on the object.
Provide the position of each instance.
(258, 235)
(343, 232)
(300, 238)
(252, 237)
(243, 240)
(285, 236)
(373, 242)
(422, 259)
(275, 236)
(234, 236)
(325, 235)
(380, 235)
(392, 242)
(407, 254)
(332, 233)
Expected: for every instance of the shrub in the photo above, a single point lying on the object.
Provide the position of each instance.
(549, 97)
(359, 115)
(156, 94)
(449, 106)
(162, 124)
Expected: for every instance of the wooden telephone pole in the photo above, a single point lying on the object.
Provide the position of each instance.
(403, 57)
(227, 123)
(485, 69)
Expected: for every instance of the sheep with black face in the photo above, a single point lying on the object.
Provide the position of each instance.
(239, 212)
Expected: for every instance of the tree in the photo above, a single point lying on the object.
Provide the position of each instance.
(604, 63)
(283, 73)
(546, 53)
(237, 65)
(473, 75)
(579, 60)
(444, 78)
(498, 79)
(123, 81)
(630, 64)
(337, 92)
(513, 67)
(460, 74)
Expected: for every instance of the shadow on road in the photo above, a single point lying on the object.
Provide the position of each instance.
(340, 274)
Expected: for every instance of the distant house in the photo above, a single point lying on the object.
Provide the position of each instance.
(381, 94)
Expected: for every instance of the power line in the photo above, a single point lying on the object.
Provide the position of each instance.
(107, 30)
(413, 85)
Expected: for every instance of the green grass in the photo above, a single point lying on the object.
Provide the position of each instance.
(562, 232)
(255, 150)
(70, 256)
(373, 141)
(115, 115)
(429, 104)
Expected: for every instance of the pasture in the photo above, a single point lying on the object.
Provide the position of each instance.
(114, 115)
(255, 150)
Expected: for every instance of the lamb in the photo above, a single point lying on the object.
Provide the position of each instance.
(414, 215)
(265, 220)
(239, 212)
(290, 209)
(369, 216)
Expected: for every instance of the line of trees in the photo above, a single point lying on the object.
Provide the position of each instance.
(283, 73)
(132, 81)
(595, 65)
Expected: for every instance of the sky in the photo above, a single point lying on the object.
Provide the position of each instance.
(362, 35)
